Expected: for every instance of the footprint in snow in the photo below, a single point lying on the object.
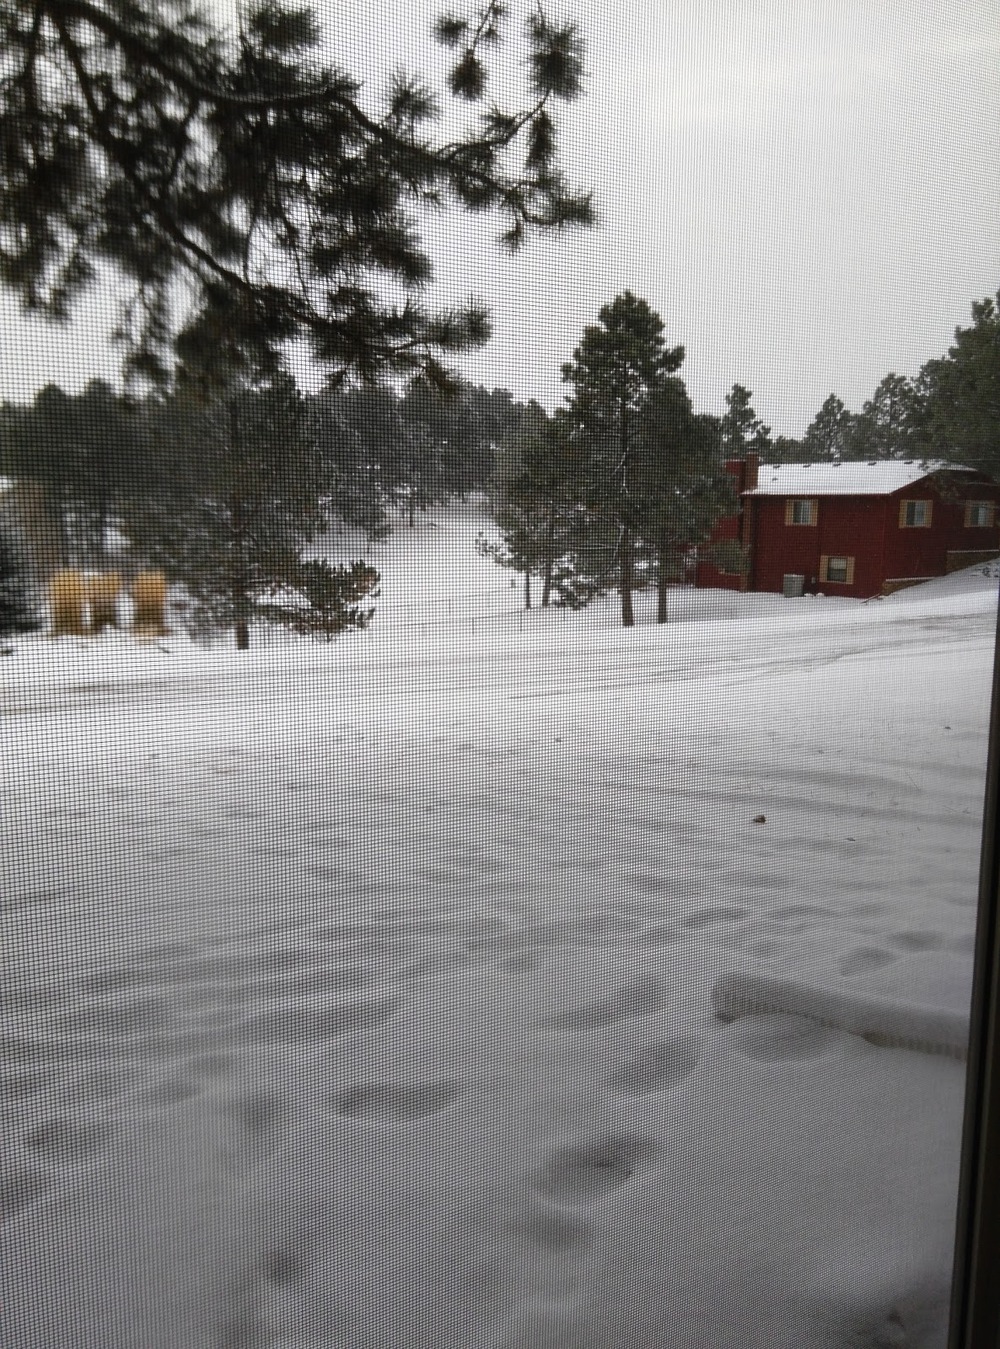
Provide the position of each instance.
(289, 1022)
(633, 1000)
(869, 910)
(657, 1066)
(777, 1036)
(651, 883)
(601, 924)
(211, 1065)
(131, 1016)
(65, 1140)
(280, 1267)
(259, 1113)
(521, 963)
(588, 1171)
(768, 948)
(397, 1100)
(115, 979)
(554, 1231)
(798, 911)
(865, 959)
(919, 941)
(17, 1086)
(29, 899)
(169, 1092)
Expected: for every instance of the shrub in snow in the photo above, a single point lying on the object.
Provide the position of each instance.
(67, 604)
(321, 600)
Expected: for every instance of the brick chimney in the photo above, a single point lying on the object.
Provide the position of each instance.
(751, 471)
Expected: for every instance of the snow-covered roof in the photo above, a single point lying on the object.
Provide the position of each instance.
(851, 479)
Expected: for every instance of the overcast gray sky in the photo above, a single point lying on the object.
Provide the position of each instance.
(806, 190)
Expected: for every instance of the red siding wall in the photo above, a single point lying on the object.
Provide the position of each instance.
(866, 529)
(845, 527)
(923, 552)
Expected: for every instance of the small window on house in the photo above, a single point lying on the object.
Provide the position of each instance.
(979, 514)
(914, 514)
(837, 570)
(800, 511)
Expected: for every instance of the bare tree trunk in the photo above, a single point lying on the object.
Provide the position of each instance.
(527, 589)
(99, 475)
(62, 524)
(413, 507)
(661, 588)
(101, 526)
(238, 523)
(550, 531)
(627, 579)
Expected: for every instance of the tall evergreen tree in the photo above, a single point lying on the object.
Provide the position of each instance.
(421, 454)
(743, 432)
(958, 413)
(490, 417)
(236, 166)
(80, 451)
(238, 492)
(828, 435)
(682, 488)
(387, 449)
(616, 372)
(785, 450)
(885, 428)
(358, 431)
(536, 503)
(39, 445)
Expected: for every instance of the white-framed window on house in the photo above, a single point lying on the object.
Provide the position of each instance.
(915, 514)
(801, 511)
(979, 514)
(835, 570)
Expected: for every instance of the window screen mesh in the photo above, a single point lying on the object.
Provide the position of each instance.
(467, 878)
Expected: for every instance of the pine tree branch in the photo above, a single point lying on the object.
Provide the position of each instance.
(147, 54)
(110, 144)
(322, 95)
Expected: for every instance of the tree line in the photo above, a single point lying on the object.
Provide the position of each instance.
(228, 489)
(226, 484)
(950, 410)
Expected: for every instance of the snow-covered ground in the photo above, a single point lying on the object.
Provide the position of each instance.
(438, 989)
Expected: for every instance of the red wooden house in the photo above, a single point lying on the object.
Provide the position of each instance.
(854, 528)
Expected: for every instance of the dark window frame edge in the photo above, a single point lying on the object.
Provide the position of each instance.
(975, 1293)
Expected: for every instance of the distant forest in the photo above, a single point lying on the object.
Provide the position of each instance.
(224, 485)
